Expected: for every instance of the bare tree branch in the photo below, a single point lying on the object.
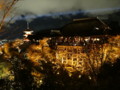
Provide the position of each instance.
(5, 7)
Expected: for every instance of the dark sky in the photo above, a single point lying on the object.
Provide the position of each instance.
(30, 9)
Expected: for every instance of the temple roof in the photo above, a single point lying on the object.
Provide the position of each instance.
(78, 27)
(28, 30)
(86, 26)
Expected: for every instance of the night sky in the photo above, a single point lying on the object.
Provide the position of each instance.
(47, 14)
(47, 6)
(42, 7)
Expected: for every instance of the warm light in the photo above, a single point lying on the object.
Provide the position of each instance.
(28, 32)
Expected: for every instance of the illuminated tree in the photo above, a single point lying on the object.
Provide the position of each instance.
(6, 7)
(35, 66)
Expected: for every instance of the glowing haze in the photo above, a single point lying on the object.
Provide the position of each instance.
(51, 6)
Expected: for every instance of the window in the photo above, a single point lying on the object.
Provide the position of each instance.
(64, 62)
(74, 59)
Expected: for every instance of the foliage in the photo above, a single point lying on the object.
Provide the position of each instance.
(31, 66)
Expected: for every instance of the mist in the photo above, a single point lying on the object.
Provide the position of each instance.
(52, 6)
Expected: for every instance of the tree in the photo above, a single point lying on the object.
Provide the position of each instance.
(6, 7)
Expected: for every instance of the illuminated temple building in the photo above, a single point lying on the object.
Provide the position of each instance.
(74, 40)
